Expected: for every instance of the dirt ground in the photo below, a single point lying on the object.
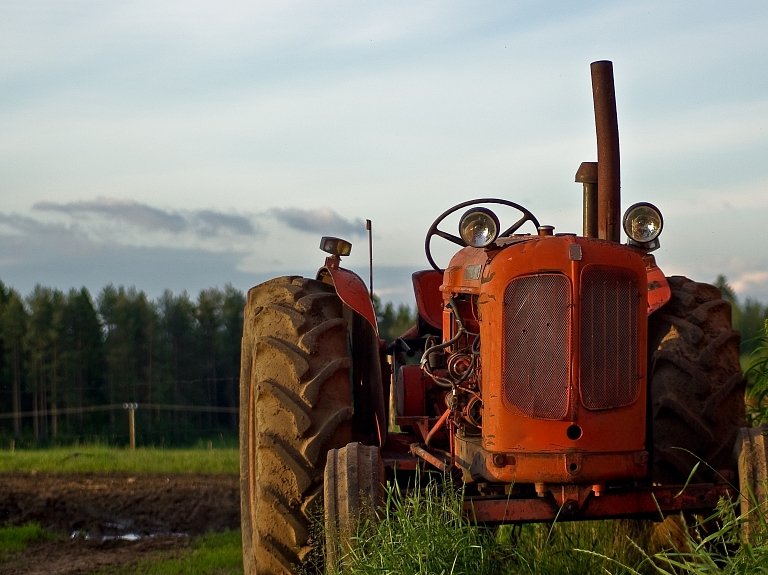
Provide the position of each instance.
(93, 511)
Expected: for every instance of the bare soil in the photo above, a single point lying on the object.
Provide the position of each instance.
(91, 512)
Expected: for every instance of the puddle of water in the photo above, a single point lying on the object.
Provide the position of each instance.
(124, 537)
(118, 526)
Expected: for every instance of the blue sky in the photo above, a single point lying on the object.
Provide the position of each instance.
(184, 145)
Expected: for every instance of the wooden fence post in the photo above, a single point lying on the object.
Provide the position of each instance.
(131, 407)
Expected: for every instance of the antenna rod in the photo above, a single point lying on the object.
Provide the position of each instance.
(370, 254)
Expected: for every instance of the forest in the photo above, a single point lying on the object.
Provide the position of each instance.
(70, 363)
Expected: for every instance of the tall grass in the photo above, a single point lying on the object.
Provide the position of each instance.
(423, 532)
(757, 372)
(721, 549)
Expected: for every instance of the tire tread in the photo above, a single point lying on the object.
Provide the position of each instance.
(296, 403)
(695, 381)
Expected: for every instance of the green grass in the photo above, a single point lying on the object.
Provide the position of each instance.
(422, 532)
(97, 458)
(755, 367)
(212, 554)
(17, 538)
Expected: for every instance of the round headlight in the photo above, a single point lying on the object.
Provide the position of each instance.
(643, 222)
(479, 227)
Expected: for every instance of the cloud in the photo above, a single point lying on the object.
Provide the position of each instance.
(152, 269)
(319, 221)
(749, 281)
(26, 239)
(134, 213)
(210, 223)
(65, 254)
(203, 223)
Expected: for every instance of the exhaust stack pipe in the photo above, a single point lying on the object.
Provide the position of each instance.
(608, 171)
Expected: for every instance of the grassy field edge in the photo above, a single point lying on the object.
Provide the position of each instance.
(103, 459)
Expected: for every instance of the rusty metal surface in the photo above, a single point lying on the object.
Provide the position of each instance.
(590, 211)
(608, 169)
(587, 173)
(652, 503)
(441, 464)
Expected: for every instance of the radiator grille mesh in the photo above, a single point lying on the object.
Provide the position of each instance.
(609, 354)
(537, 343)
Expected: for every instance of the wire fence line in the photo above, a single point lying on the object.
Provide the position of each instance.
(120, 406)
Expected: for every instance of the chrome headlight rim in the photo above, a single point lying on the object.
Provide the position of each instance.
(632, 213)
(478, 214)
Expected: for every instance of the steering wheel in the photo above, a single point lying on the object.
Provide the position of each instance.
(434, 231)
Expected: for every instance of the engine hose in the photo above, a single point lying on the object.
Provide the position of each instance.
(455, 309)
(437, 426)
(441, 381)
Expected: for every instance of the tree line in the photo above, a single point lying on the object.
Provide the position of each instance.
(63, 353)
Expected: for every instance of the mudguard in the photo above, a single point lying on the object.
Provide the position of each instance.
(659, 292)
(351, 289)
(373, 393)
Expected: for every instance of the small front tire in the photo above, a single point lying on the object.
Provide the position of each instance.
(354, 480)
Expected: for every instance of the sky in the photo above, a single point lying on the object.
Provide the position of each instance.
(187, 145)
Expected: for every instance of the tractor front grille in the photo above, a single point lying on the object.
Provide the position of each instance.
(537, 346)
(609, 355)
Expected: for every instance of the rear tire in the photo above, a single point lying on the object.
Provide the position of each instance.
(354, 479)
(295, 404)
(696, 383)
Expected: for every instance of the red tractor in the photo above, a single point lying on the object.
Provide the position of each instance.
(560, 376)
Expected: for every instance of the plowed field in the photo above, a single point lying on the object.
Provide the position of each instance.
(112, 519)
